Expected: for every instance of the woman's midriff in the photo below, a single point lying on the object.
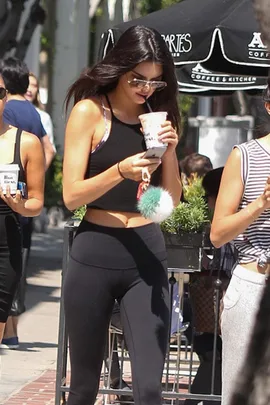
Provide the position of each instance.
(115, 219)
(253, 266)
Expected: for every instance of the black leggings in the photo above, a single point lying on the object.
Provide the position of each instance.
(127, 264)
(18, 303)
(10, 261)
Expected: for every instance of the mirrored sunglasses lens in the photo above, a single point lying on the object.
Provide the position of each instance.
(140, 84)
(3, 93)
(159, 85)
(135, 83)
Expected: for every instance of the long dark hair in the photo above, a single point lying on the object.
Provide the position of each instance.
(266, 92)
(262, 121)
(136, 45)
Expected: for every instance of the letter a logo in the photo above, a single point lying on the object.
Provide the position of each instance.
(257, 41)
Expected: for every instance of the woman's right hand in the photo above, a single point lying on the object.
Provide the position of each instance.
(265, 197)
(131, 168)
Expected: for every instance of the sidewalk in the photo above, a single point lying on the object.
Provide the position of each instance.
(28, 374)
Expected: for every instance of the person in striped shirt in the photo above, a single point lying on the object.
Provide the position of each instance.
(242, 215)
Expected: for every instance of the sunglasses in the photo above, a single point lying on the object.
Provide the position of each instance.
(3, 93)
(141, 84)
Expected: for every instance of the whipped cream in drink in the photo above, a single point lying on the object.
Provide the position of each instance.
(9, 177)
(151, 125)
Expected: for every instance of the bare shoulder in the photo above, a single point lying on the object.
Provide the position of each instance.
(29, 140)
(234, 157)
(87, 108)
(232, 168)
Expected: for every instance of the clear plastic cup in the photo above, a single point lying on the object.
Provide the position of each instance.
(151, 126)
(9, 177)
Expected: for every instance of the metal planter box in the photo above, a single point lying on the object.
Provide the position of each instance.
(185, 250)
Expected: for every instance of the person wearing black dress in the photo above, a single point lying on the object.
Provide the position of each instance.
(25, 150)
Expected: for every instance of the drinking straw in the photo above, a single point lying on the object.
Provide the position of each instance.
(148, 105)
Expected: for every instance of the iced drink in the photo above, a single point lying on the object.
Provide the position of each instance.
(151, 125)
(9, 177)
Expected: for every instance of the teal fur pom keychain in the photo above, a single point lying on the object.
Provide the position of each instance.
(154, 203)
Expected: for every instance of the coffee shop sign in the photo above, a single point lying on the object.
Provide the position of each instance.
(257, 49)
(182, 43)
(178, 43)
(203, 76)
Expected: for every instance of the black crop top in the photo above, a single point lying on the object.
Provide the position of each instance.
(122, 141)
(4, 208)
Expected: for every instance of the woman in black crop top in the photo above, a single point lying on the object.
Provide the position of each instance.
(117, 254)
(25, 150)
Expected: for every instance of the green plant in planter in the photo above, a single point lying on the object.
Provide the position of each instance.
(79, 212)
(192, 215)
(185, 230)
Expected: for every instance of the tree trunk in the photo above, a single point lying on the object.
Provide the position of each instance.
(9, 25)
(50, 27)
(240, 103)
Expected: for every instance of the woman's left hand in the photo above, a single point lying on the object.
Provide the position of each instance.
(16, 203)
(168, 135)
